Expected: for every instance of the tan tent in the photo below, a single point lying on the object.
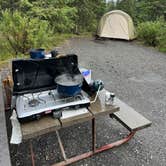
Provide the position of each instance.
(116, 24)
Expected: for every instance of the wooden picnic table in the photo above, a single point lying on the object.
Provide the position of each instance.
(48, 124)
(125, 114)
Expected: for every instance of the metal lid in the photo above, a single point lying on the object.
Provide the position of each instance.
(69, 80)
(34, 75)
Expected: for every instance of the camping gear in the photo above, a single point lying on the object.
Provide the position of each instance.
(40, 87)
(37, 53)
(35, 75)
(47, 56)
(86, 74)
(69, 85)
(116, 24)
(97, 85)
(109, 98)
(54, 53)
(33, 106)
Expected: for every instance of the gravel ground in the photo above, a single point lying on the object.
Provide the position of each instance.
(137, 75)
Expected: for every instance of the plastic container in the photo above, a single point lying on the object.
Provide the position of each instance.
(86, 74)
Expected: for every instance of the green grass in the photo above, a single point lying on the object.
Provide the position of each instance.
(163, 49)
(56, 40)
(153, 34)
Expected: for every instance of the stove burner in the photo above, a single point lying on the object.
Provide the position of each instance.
(33, 103)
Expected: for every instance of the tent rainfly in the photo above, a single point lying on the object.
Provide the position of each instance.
(116, 24)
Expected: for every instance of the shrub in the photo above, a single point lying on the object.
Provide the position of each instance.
(148, 32)
(20, 33)
(153, 34)
(162, 38)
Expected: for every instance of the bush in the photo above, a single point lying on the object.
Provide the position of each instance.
(153, 34)
(20, 33)
(162, 38)
(148, 32)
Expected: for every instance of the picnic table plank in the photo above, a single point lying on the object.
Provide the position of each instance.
(76, 119)
(39, 127)
(129, 117)
(4, 154)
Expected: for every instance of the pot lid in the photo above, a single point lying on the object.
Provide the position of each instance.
(69, 79)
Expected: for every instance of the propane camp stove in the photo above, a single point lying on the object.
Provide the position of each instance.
(35, 88)
(34, 105)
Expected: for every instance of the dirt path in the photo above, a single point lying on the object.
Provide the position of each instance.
(138, 76)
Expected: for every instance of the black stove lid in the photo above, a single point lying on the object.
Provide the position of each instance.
(34, 75)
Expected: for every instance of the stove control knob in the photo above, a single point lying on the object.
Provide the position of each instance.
(57, 114)
(18, 84)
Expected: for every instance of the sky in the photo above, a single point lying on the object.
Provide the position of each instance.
(110, 0)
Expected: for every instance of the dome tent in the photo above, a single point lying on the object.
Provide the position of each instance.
(116, 24)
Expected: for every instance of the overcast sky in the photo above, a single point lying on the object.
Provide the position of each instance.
(110, 0)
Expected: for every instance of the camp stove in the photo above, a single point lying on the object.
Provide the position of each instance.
(46, 102)
(35, 88)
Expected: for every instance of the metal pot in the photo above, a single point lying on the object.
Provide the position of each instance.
(37, 53)
(69, 85)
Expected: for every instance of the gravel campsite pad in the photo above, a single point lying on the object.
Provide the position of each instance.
(137, 75)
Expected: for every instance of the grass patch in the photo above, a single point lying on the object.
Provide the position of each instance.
(153, 34)
(56, 40)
